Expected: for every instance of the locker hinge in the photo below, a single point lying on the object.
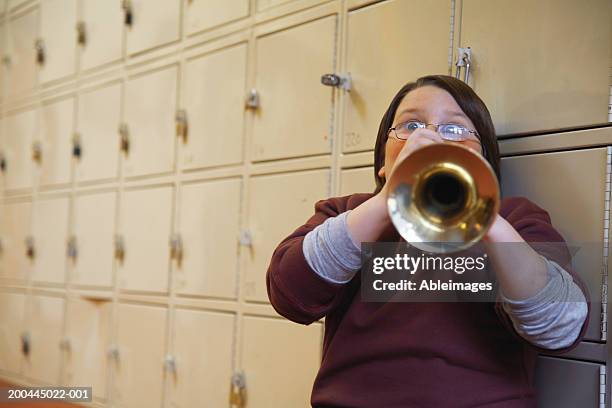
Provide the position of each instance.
(182, 127)
(606, 242)
(2, 162)
(81, 33)
(464, 60)
(176, 248)
(37, 152)
(72, 248)
(65, 344)
(39, 46)
(26, 343)
(124, 135)
(128, 10)
(77, 148)
(119, 248)
(252, 99)
(245, 238)
(339, 81)
(170, 364)
(30, 251)
(237, 398)
(602, 386)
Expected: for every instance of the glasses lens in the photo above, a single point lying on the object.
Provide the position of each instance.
(453, 132)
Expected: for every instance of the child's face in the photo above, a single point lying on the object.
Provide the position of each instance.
(427, 104)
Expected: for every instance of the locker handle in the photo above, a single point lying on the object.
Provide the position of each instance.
(464, 59)
(337, 81)
(182, 126)
(25, 343)
(176, 248)
(77, 149)
(39, 46)
(30, 251)
(72, 248)
(237, 398)
(252, 99)
(119, 248)
(81, 33)
(128, 11)
(2, 162)
(37, 152)
(125, 138)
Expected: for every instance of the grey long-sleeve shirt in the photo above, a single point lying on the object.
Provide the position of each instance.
(552, 318)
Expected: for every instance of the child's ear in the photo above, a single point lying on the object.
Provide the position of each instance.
(381, 172)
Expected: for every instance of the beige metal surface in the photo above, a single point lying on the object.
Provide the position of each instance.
(289, 65)
(206, 14)
(57, 29)
(98, 119)
(215, 107)
(203, 350)
(360, 180)
(147, 255)
(550, 79)
(15, 227)
(56, 128)
(22, 72)
(150, 108)
(45, 325)
(265, 4)
(277, 205)
(19, 132)
(210, 216)
(103, 32)
(381, 58)
(155, 23)
(50, 232)
(12, 318)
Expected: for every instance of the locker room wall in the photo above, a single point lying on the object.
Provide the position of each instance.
(142, 165)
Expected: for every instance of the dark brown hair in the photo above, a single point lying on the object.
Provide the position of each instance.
(468, 101)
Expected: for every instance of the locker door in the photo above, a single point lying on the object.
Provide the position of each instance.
(360, 180)
(205, 14)
(154, 23)
(98, 121)
(46, 323)
(87, 323)
(273, 351)
(215, 108)
(3, 51)
(15, 228)
(94, 229)
(145, 227)
(203, 347)
(103, 22)
(293, 195)
(549, 180)
(266, 4)
(542, 88)
(57, 30)
(22, 33)
(12, 322)
(210, 216)
(56, 135)
(50, 231)
(385, 50)
(294, 114)
(564, 383)
(141, 339)
(150, 112)
(20, 131)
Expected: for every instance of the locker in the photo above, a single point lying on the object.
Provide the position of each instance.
(103, 26)
(50, 232)
(379, 38)
(98, 119)
(45, 328)
(87, 329)
(206, 14)
(266, 4)
(12, 322)
(94, 229)
(145, 228)
(19, 132)
(150, 111)
(210, 214)
(542, 88)
(359, 180)
(15, 227)
(154, 23)
(579, 219)
(57, 31)
(141, 341)
(564, 383)
(274, 350)
(293, 195)
(56, 135)
(215, 109)
(22, 33)
(203, 348)
(283, 126)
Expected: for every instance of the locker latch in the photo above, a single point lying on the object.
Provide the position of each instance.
(65, 344)
(81, 33)
(237, 397)
(181, 124)
(464, 59)
(113, 352)
(170, 363)
(26, 343)
(76, 145)
(29, 243)
(125, 138)
(72, 248)
(176, 248)
(39, 45)
(6, 60)
(37, 152)
(128, 11)
(252, 99)
(2, 162)
(245, 238)
(339, 81)
(119, 248)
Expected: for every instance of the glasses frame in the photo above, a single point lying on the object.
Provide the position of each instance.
(437, 126)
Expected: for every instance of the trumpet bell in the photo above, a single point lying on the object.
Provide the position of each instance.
(443, 198)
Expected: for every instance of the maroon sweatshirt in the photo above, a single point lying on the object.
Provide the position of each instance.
(409, 354)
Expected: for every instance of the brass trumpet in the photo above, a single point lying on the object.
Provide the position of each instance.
(443, 198)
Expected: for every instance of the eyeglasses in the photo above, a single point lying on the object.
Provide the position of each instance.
(448, 131)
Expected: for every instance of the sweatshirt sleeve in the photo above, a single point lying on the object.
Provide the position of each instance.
(294, 289)
(534, 225)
